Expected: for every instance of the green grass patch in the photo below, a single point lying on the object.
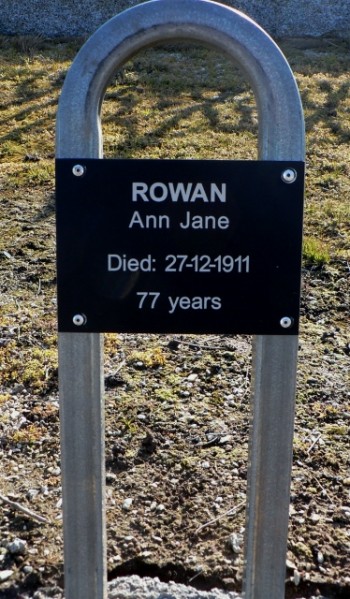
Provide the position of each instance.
(315, 252)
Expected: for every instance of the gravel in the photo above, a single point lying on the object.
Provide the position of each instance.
(61, 18)
(152, 588)
(133, 587)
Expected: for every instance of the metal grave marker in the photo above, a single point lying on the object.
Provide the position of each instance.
(121, 243)
(185, 246)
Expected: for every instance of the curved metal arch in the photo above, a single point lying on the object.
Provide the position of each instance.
(281, 125)
(281, 137)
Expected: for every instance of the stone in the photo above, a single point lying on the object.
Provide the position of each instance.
(236, 542)
(17, 547)
(5, 575)
(127, 503)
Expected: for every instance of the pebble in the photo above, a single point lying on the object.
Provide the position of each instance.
(315, 518)
(225, 439)
(139, 364)
(17, 547)
(14, 414)
(5, 575)
(19, 388)
(296, 577)
(55, 471)
(192, 377)
(127, 503)
(31, 493)
(236, 542)
(290, 565)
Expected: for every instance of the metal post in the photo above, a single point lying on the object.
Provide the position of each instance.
(274, 373)
(82, 462)
(281, 137)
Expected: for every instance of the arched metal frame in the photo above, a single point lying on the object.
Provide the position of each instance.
(281, 137)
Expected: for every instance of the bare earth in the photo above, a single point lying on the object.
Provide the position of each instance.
(177, 419)
(177, 424)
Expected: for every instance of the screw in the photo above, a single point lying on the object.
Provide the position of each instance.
(286, 322)
(78, 170)
(289, 175)
(79, 320)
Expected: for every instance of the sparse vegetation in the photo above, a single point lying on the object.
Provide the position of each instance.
(177, 410)
(315, 252)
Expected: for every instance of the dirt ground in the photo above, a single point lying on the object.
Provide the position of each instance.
(177, 424)
(177, 428)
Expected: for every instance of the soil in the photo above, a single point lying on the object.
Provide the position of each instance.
(177, 432)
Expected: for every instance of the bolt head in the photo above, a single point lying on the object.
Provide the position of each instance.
(286, 322)
(79, 320)
(289, 175)
(78, 170)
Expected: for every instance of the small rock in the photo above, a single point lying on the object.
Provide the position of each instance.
(44, 593)
(225, 439)
(127, 503)
(55, 471)
(14, 414)
(31, 493)
(157, 539)
(139, 365)
(315, 518)
(27, 569)
(19, 388)
(7, 255)
(31, 158)
(296, 578)
(5, 575)
(290, 565)
(17, 547)
(192, 377)
(236, 541)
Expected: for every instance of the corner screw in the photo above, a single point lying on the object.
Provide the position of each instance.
(289, 175)
(79, 320)
(78, 170)
(286, 322)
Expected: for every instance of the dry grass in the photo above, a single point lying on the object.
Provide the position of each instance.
(173, 102)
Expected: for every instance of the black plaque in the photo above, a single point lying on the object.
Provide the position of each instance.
(184, 246)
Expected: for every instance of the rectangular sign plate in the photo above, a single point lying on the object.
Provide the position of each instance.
(183, 246)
